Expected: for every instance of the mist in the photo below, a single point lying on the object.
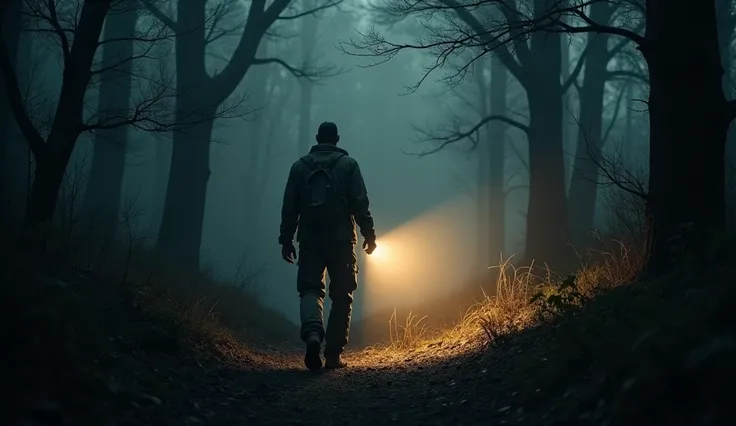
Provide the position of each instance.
(527, 199)
(403, 120)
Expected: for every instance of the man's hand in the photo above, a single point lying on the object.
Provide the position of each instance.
(288, 252)
(369, 246)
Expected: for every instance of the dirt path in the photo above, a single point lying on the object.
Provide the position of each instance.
(649, 354)
(86, 356)
(377, 388)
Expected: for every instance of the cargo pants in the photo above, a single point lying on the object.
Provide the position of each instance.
(341, 264)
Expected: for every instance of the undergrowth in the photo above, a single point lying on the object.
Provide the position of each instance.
(524, 298)
(206, 308)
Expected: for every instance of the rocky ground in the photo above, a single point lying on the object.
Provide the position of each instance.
(79, 352)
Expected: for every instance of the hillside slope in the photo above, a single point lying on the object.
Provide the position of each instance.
(81, 351)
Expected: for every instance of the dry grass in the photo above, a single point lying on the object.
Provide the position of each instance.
(205, 306)
(511, 309)
(408, 335)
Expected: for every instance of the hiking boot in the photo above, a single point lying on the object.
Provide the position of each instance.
(312, 359)
(335, 362)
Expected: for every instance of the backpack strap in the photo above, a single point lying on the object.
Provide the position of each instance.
(328, 165)
(332, 161)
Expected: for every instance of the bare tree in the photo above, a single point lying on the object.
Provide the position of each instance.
(584, 180)
(200, 94)
(532, 58)
(52, 152)
(686, 104)
(689, 120)
(14, 155)
(11, 37)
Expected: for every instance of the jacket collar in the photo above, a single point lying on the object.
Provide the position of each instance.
(325, 147)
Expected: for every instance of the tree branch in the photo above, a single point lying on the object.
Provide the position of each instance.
(576, 71)
(296, 72)
(456, 136)
(610, 75)
(259, 20)
(327, 5)
(53, 20)
(600, 28)
(155, 11)
(508, 59)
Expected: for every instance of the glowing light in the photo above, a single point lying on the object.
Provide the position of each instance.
(381, 251)
(424, 259)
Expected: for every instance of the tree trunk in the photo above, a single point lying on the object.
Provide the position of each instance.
(52, 155)
(309, 39)
(180, 235)
(546, 231)
(9, 179)
(568, 123)
(102, 196)
(162, 160)
(482, 150)
(496, 164)
(584, 181)
(199, 97)
(688, 127)
(725, 37)
(17, 168)
(47, 180)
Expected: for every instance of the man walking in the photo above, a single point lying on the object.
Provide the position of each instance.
(325, 197)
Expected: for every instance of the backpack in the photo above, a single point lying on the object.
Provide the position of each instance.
(321, 203)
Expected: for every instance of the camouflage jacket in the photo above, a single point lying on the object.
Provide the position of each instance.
(352, 188)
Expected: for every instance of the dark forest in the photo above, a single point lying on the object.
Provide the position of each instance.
(542, 196)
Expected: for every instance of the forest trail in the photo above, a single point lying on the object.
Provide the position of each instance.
(85, 353)
(400, 388)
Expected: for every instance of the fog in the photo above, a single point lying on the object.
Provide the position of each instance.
(425, 201)
(433, 228)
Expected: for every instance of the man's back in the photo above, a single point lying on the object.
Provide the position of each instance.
(351, 189)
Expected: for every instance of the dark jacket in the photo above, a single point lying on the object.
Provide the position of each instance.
(353, 190)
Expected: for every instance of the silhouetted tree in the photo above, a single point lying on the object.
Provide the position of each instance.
(689, 120)
(584, 180)
(532, 58)
(686, 191)
(201, 95)
(14, 155)
(726, 14)
(76, 30)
